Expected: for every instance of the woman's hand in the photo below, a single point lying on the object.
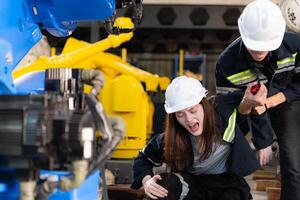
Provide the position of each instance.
(152, 189)
(264, 155)
(258, 99)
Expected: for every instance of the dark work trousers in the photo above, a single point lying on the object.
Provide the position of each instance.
(285, 121)
(226, 186)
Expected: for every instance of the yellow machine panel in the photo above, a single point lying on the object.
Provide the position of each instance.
(125, 97)
(126, 94)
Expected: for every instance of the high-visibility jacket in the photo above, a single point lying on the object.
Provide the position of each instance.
(279, 71)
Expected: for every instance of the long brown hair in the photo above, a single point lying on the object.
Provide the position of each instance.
(178, 146)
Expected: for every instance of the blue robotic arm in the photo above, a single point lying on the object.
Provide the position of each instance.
(22, 20)
(18, 33)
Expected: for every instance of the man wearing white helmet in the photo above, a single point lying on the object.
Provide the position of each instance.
(261, 71)
(205, 152)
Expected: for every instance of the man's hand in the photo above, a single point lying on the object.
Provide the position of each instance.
(275, 100)
(152, 189)
(250, 101)
(270, 102)
(264, 155)
(258, 110)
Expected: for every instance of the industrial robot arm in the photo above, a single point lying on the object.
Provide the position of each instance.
(22, 21)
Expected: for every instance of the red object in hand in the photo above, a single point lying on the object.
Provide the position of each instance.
(254, 89)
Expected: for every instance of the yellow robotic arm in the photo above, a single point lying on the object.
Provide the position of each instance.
(70, 60)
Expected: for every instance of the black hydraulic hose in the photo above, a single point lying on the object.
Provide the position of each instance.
(94, 78)
(111, 139)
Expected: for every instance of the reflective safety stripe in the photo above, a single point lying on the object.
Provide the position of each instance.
(290, 68)
(264, 81)
(226, 90)
(287, 61)
(250, 76)
(156, 164)
(242, 77)
(185, 187)
(230, 130)
(245, 81)
(297, 70)
(262, 77)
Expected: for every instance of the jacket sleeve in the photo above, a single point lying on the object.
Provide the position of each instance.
(226, 105)
(242, 159)
(292, 92)
(259, 125)
(261, 130)
(149, 157)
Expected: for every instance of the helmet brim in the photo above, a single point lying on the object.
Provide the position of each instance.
(177, 108)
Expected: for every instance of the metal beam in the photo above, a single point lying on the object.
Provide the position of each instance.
(183, 21)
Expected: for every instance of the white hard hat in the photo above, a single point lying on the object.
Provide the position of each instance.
(291, 13)
(262, 26)
(182, 93)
